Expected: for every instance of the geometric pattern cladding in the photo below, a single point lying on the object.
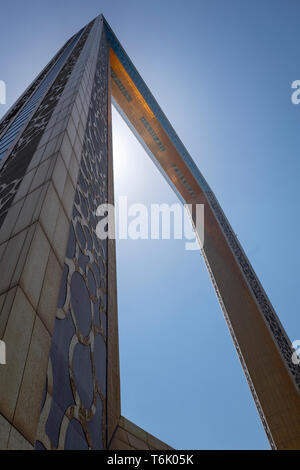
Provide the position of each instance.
(76, 411)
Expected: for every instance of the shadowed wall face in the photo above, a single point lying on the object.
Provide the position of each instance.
(53, 299)
(75, 409)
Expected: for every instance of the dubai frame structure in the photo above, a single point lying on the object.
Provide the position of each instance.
(60, 386)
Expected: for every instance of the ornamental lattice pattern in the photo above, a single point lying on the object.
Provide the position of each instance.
(262, 300)
(239, 353)
(74, 405)
(15, 167)
(22, 100)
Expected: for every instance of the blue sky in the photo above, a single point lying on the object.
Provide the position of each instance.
(222, 73)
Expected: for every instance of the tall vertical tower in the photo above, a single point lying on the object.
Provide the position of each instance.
(60, 387)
